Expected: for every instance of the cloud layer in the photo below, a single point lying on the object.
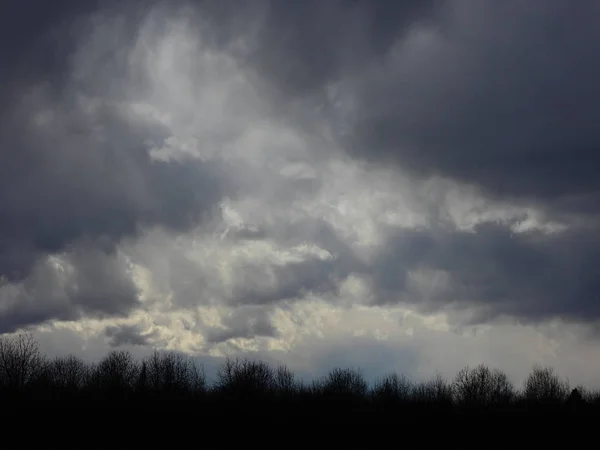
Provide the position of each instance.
(286, 177)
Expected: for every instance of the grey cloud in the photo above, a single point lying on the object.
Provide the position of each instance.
(273, 187)
(244, 322)
(128, 335)
(75, 166)
(255, 284)
(71, 181)
(491, 271)
(302, 46)
(86, 281)
(303, 231)
(532, 276)
(27, 38)
(501, 95)
(249, 233)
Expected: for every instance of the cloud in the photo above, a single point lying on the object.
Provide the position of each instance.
(502, 96)
(128, 335)
(301, 47)
(30, 45)
(76, 165)
(76, 170)
(244, 322)
(83, 281)
(353, 183)
(493, 271)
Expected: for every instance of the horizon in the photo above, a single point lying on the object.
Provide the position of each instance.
(22, 352)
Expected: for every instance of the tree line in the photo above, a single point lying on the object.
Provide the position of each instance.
(245, 386)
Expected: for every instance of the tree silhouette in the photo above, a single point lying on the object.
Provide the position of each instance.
(69, 373)
(345, 383)
(20, 360)
(435, 391)
(253, 389)
(172, 374)
(115, 375)
(481, 387)
(284, 382)
(543, 386)
(393, 389)
(245, 378)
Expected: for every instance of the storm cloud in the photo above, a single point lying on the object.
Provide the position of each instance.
(211, 177)
(500, 95)
(494, 272)
(128, 335)
(84, 281)
(76, 165)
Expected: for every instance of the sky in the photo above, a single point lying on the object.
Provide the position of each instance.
(391, 186)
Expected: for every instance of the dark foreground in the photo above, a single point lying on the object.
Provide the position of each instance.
(170, 388)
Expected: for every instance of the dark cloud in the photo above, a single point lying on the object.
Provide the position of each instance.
(493, 271)
(128, 335)
(301, 46)
(29, 43)
(499, 94)
(502, 95)
(245, 322)
(490, 271)
(86, 280)
(75, 166)
(261, 283)
(268, 283)
(89, 174)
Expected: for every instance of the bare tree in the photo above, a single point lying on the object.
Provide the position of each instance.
(542, 385)
(284, 381)
(117, 372)
(173, 372)
(69, 373)
(245, 377)
(20, 360)
(393, 388)
(347, 382)
(481, 386)
(434, 391)
(588, 395)
(141, 384)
